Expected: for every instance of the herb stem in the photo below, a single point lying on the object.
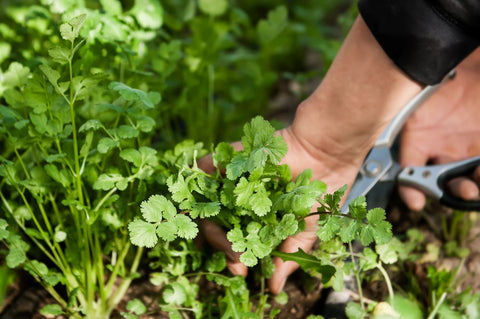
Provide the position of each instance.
(117, 265)
(22, 163)
(387, 280)
(74, 132)
(437, 306)
(99, 265)
(122, 289)
(357, 276)
(104, 199)
(56, 249)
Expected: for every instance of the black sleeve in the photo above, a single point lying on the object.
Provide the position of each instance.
(425, 38)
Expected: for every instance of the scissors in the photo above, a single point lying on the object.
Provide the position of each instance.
(379, 165)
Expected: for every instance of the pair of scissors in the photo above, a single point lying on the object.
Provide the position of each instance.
(380, 166)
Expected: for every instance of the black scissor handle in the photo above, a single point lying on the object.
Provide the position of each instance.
(433, 181)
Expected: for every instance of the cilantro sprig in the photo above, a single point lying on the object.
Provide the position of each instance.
(255, 199)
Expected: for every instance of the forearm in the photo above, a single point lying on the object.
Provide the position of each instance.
(362, 91)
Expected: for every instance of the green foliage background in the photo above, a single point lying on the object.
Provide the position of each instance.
(215, 63)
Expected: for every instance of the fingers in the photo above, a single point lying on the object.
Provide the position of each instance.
(304, 240)
(217, 238)
(463, 188)
(413, 198)
(466, 188)
(206, 164)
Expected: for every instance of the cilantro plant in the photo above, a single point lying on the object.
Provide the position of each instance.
(91, 96)
(59, 195)
(250, 194)
(256, 199)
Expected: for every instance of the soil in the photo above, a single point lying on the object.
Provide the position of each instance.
(306, 295)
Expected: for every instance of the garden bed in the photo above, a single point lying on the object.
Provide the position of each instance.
(105, 108)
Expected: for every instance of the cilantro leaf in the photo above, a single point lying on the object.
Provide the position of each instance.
(136, 306)
(358, 208)
(223, 154)
(275, 23)
(330, 226)
(179, 189)
(288, 226)
(244, 191)
(351, 230)
(108, 181)
(235, 236)
(237, 166)
(131, 94)
(142, 234)
(52, 309)
(260, 203)
(368, 260)
(153, 209)
(382, 229)
(186, 228)
(261, 143)
(126, 132)
(308, 262)
(167, 230)
(105, 144)
(175, 294)
(149, 13)
(204, 210)
(248, 258)
(132, 155)
(15, 257)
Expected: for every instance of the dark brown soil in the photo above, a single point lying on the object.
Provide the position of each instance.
(305, 293)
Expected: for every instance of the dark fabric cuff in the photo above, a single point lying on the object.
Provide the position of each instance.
(420, 39)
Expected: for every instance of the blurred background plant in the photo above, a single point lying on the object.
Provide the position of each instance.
(215, 63)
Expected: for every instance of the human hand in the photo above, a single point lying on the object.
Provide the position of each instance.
(445, 129)
(325, 167)
(333, 130)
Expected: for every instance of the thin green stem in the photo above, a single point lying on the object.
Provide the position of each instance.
(357, 276)
(56, 211)
(74, 132)
(56, 249)
(104, 199)
(22, 163)
(88, 271)
(437, 306)
(117, 265)
(387, 280)
(122, 289)
(99, 269)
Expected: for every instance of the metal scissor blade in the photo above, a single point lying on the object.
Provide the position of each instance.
(390, 133)
(376, 165)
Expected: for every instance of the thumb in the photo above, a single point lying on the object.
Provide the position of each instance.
(304, 240)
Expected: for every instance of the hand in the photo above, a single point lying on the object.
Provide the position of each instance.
(445, 129)
(333, 171)
(332, 132)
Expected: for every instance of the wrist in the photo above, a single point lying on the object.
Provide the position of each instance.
(361, 93)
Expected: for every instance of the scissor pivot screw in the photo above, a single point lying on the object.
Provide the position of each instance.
(372, 168)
